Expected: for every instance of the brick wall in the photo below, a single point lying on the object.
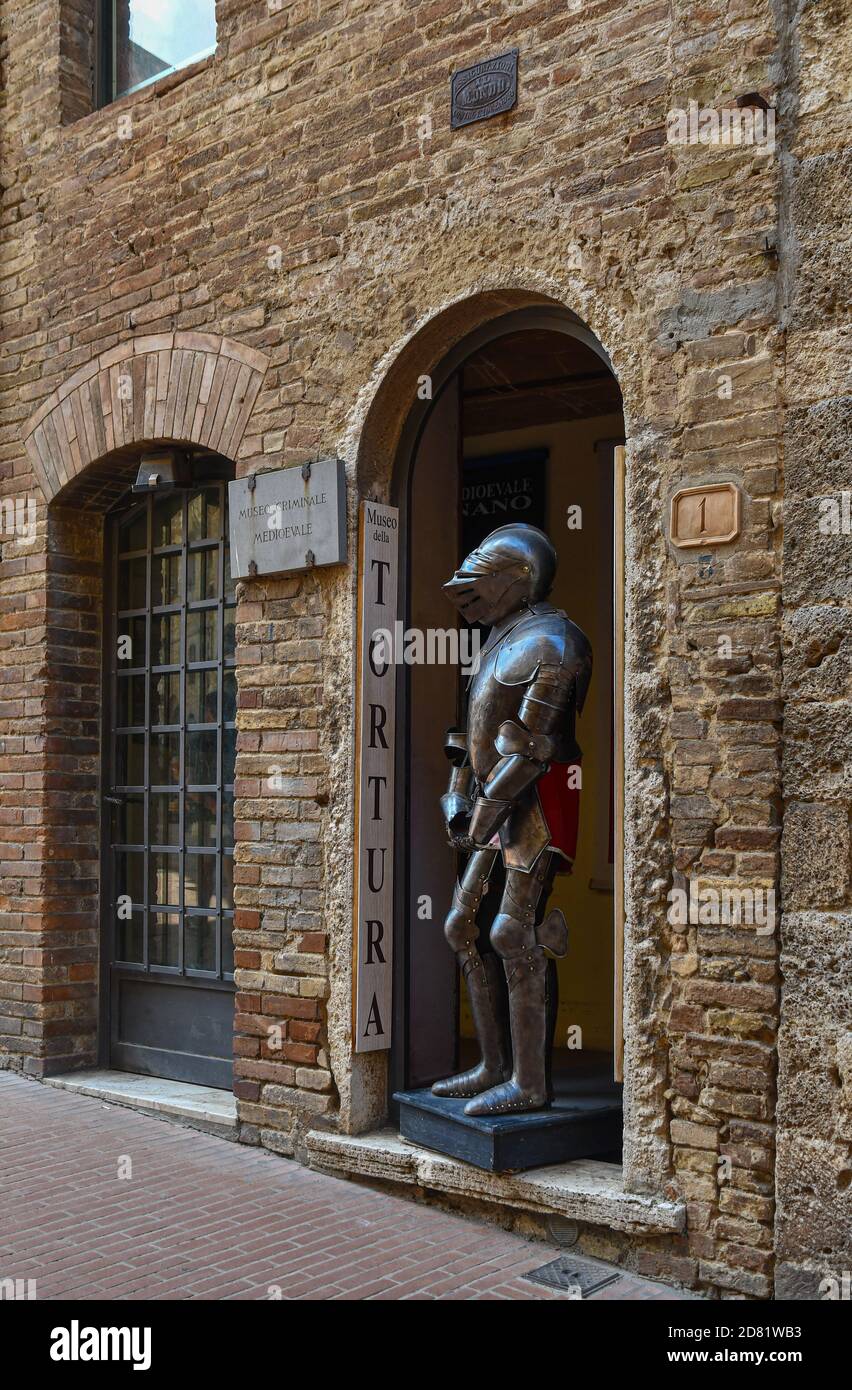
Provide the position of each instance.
(77, 58)
(283, 194)
(282, 1077)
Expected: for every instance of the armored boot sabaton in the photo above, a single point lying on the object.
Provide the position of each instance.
(482, 976)
(528, 1087)
(531, 978)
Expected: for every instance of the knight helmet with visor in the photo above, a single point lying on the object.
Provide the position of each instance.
(511, 569)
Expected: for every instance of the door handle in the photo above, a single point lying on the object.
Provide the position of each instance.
(115, 800)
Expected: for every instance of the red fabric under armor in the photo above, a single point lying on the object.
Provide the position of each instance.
(560, 803)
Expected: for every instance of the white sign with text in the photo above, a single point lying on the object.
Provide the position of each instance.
(288, 519)
(378, 557)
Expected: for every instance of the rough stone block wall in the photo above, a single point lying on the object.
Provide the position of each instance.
(725, 824)
(283, 193)
(814, 1175)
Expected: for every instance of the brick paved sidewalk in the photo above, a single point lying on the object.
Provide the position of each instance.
(202, 1218)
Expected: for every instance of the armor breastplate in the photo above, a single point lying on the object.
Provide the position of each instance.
(540, 636)
(490, 703)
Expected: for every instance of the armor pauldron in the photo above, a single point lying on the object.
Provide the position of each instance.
(546, 638)
(543, 638)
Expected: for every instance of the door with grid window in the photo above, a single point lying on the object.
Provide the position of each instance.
(169, 787)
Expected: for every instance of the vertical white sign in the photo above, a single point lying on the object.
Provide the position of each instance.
(378, 555)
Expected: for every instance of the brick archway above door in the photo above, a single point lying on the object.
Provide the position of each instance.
(196, 388)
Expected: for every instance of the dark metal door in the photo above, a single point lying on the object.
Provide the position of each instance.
(169, 787)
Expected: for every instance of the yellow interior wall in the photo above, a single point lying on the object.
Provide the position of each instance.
(584, 589)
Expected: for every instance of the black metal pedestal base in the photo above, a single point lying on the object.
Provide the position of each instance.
(584, 1125)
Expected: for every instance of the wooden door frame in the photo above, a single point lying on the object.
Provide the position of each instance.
(618, 580)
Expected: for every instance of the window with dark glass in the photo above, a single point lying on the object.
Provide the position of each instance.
(145, 39)
(174, 741)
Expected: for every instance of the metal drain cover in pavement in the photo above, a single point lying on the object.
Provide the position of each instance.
(571, 1272)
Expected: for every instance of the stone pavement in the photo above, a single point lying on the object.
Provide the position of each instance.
(203, 1218)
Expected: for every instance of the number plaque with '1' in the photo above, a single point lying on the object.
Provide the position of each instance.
(708, 515)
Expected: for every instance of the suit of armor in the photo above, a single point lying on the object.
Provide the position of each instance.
(530, 683)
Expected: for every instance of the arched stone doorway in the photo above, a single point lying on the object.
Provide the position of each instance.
(528, 401)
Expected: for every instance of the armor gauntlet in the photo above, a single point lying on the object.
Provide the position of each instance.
(526, 747)
(456, 802)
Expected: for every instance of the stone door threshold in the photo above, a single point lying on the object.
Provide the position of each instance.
(585, 1190)
(202, 1107)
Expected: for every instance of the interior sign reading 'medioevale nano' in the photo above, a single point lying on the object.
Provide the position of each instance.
(288, 519)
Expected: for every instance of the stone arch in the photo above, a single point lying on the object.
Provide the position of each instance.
(383, 411)
(193, 388)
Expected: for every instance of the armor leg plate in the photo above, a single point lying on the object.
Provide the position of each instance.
(531, 980)
(482, 979)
